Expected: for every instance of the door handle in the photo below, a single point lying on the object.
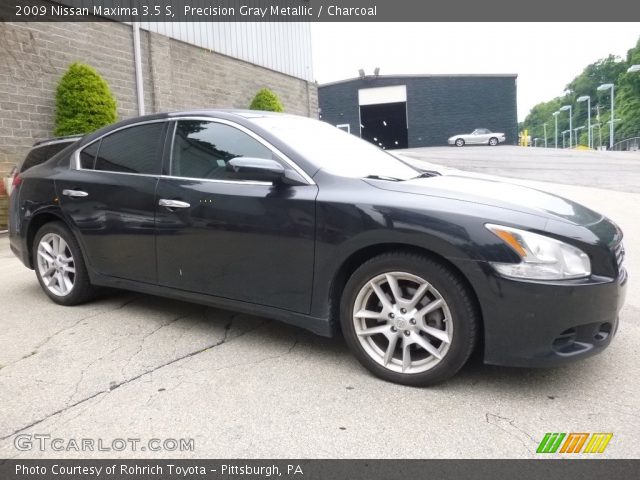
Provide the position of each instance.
(165, 202)
(74, 193)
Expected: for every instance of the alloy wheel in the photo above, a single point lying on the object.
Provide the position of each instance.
(56, 265)
(402, 322)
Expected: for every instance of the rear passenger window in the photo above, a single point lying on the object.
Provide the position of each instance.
(88, 156)
(132, 150)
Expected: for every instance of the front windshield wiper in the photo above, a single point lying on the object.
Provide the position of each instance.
(384, 177)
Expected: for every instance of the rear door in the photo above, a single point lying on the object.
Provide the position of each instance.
(239, 239)
(109, 196)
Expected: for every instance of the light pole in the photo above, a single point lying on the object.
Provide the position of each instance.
(555, 116)
(576, 133)
(563, 108)
(544, 125)
(610, 86)
(633, 68)
(587, 98)
(563, 132)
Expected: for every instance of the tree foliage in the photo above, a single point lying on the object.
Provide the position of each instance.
(266, 100)
(611, 69)
(84, 102)
(628, 98)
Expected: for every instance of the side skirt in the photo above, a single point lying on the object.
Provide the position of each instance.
(319, 326)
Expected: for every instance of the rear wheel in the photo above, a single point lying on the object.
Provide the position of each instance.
(59, 265)
(408, 319)
(459, 142)
(493, 141)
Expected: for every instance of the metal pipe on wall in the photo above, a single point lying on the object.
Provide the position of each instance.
(138, 66)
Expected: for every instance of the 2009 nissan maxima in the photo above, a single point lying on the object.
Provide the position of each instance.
(292, 219)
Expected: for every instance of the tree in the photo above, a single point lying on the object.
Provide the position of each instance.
(628, 98)
(611, 69)
(543, 113)
(84, 102)
(265, 99)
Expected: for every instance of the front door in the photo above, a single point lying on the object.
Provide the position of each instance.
(221, 235)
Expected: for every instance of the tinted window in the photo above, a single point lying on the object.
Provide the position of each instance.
(35, 157)
(57, 148)
(202, 149)
(132, 150)
(88, 156)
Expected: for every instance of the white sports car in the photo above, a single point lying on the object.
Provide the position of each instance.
(480, 136)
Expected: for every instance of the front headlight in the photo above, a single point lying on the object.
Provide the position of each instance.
(542, 258)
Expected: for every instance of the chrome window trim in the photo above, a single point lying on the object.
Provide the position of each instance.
(46, 143)
(211, 180)
(281, 156)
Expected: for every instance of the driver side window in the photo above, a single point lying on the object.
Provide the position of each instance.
(201, 149)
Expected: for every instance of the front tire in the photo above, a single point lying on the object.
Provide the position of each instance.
(408, 319)
(59, 265)
(459, 142)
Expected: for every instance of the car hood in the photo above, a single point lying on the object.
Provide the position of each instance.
(495, 193)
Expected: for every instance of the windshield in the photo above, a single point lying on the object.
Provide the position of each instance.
(334, 150)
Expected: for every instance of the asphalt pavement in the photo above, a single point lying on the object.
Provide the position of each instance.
(618, 171)
(130, 366)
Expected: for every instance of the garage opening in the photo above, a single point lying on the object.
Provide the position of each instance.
(383, 116)
(385, 124)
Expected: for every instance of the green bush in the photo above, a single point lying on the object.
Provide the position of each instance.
(84, 102)
(265, 99)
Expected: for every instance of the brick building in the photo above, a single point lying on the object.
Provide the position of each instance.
(402, 111)
(200, 65)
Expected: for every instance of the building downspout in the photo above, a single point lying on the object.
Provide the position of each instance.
(138, 65)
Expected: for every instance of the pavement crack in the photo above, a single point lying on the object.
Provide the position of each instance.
(53, 414)
(146, 336)
(508, 426)
(115, 386)
(42, 343)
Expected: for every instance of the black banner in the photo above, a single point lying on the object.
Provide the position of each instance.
(320, 469)
(315, 10)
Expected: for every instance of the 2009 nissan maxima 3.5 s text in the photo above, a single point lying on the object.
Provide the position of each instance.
(291, 218)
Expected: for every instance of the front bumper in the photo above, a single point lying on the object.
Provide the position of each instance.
(536, 324)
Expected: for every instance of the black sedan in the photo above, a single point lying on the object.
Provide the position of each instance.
(293, 219)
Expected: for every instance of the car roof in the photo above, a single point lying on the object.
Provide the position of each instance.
(239, 115)
(206, 113)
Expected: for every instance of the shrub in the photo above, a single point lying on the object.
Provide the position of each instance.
(84, 102)
(265, 99)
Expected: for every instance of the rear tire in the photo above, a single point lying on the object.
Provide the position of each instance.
(425, 328)
(59, 265)
(493, 142)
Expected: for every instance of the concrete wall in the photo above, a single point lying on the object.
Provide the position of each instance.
(438, 106)
(176, 75)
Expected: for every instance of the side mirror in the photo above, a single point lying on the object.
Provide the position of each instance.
(261, 169)
(264, 170)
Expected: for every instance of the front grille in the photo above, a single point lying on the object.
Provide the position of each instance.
(619, 253)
